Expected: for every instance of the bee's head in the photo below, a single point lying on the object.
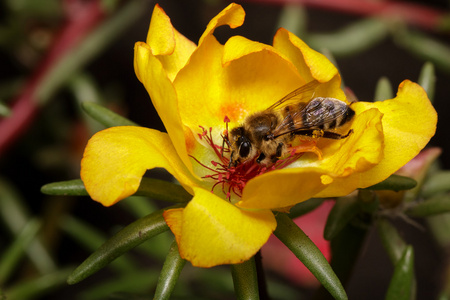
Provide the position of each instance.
(241, 146)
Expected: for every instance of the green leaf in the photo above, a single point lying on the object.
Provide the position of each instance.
(305, 207)
(73, 187)
(345, 248)
(443, 24)
(354, 38)
(154, 188)
(439, 227)
(308, 253)
(437, 183)
(137, 282)
(109, 5)
(139, 206)
(438, 204)
(343, 211)
(391, 240)
(368, 201)
(105, 116)
(170, 273)
(16, 250)
(427, 79)
(37, 287)
(383, 90)
(293, 18)
(424, 46)
(394, 183)
(245, 280)
(4, 110)
(15, 216)
(91, 238)
(84, 88)
(123, 241)
(163, 190)
(402, 282)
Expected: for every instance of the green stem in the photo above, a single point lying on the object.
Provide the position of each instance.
(245, 280)
(170, 273)
(394, 183)
(438, 204)
(104, 115)
(153, 188)
(402, 284)
(391, 240)
(123, 241)
(343, 211)
(305, 207)
(345, 249)
(307, 252)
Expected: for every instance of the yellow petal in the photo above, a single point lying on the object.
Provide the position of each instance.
(171, 47)
(232, 80)
(233, 15)
(217, 83)
(344, 160)
(210, 231)
(309, 63)
(209, 91)
(360, 151)
(257, 73)
(160, 36)
(151, 73)
(282, 188)
(116, 158)
(409, 121)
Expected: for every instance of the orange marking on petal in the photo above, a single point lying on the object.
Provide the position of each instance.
(234, 111)
(190, 140)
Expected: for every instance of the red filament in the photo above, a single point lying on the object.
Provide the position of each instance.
(232, 179)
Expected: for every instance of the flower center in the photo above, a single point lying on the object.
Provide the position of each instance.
(233, 178)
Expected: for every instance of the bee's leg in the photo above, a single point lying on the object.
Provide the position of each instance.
(307, 146)
(232, 162)
(260, 158)
(348, 133)
(278, 154)
(318, 133)
(335, 135)
(225, 140)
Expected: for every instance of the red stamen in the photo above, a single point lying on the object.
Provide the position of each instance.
(233, 179)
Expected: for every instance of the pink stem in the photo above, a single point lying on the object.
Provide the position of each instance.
(25, 106)
(420, 15)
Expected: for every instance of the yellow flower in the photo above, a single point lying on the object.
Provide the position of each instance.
(195, 88)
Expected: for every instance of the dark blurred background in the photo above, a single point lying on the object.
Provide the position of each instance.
(48, 147)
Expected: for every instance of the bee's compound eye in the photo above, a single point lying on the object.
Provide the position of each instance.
(244, 146)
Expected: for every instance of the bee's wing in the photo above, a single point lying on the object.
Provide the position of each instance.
(310, 116)
(302, 94)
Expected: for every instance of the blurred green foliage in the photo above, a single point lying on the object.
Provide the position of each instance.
(45, 237)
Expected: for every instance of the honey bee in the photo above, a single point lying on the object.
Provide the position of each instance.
(268, 136)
